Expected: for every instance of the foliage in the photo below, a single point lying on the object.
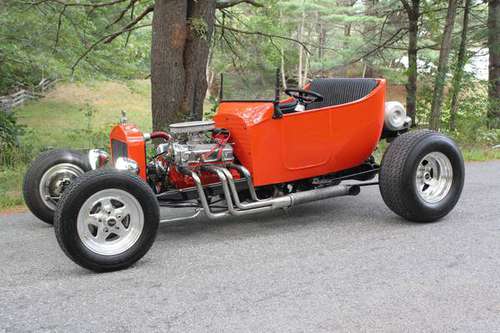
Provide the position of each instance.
(9, 129)
(46, 40)
(471, 116)
(11, 152)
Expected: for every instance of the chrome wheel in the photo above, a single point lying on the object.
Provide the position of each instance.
(55, 180)
(434, 177)
(110, 222)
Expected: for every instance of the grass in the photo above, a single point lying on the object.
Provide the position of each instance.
(76, 115)
(66, 117)
(10, 187)
(480, 153)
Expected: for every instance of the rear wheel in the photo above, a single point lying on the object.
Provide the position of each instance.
(107, 220)
(47, 178)
(422, 176)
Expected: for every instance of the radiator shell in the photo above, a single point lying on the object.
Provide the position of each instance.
(128, 141)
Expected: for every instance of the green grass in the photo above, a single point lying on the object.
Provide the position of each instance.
(10, 187)
(80, 116)
(75, 115)
(480, 154)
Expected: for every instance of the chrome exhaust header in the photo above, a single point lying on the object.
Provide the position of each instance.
(238, 208)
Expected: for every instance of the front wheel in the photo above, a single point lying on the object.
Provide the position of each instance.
(47, 178)
(422, 176)
(107, 220)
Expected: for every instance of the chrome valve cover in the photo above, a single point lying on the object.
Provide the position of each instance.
(185, 154)
(192, 127)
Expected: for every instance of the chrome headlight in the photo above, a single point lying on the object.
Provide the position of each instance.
(98, 158)
(395, 116)
(127, 164)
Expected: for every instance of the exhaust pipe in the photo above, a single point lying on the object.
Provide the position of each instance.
(259, 206)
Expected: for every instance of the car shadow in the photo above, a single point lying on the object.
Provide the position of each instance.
(331, 213)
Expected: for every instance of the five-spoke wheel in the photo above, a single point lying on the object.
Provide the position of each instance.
(110, 221)
(107, 220)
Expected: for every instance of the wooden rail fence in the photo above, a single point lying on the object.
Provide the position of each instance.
(9, 102)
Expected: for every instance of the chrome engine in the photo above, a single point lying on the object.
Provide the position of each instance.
(195, 144)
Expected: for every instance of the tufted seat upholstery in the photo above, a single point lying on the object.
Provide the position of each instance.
(340, 91)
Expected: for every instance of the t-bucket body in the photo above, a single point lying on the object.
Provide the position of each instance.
(303, 144)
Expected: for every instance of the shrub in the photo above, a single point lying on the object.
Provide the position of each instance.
(471, 126)
(11, 152)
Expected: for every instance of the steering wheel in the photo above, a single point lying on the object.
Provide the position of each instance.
(304, 96)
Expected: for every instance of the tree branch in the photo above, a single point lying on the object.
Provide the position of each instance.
(130, 25)
(77, 4)
(388, 42)
(122, 13)
(258, 33)
(59, 24)
(222, 4)
(105, 38)
(407, 6)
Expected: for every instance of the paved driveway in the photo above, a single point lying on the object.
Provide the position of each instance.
(345, 264)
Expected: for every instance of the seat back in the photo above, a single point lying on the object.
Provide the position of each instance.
(340, 91)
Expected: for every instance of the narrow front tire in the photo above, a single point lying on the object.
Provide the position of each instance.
(47, 178)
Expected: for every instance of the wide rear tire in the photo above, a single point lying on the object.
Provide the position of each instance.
(422, 176)
(47, 177)
(107, 220)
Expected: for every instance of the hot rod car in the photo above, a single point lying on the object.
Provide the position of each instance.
(255, 156)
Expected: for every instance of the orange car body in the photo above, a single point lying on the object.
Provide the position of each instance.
(303, 144)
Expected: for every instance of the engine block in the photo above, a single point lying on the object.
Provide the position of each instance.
(192, 145)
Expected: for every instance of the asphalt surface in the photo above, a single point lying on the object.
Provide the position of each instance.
(345, 264)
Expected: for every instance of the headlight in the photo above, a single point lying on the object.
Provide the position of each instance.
(127, 164)
(98, 158)
(395, 116)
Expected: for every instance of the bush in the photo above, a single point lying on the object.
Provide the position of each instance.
(471, 124)
(11, 152)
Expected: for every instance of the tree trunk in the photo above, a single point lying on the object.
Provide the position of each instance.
(179, 53)
(301, 48)
(494, 67)
(411, 86)
(444, 53)
(282, 58)
(210, 76)
(201, 15)
(459, 70)
(370, 10)
(282, 69)
(167, 61)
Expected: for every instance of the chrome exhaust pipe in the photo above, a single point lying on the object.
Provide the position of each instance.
(248, 177)
(234, 192)
(221, 173)
(203, 198)
(295, 198)
(230, 193)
